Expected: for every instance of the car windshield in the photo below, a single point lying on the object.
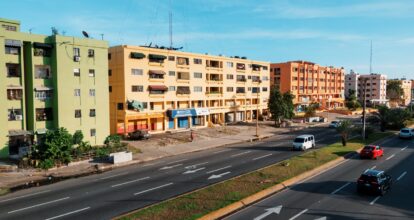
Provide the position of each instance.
(299, 140)
(404, 131)
(369, 148)
(368, 178)
(334, 122)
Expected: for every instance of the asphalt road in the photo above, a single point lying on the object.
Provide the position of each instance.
(110, 194)
(332, 194)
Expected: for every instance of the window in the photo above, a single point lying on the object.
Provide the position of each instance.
(240, 90)
(256, 79)
(198, 61)
(294, 69)
(43, 94)
(137, 72)
(137, 88)
(120, 106)
(240, 66)
(171, 73)
(171, 58)
(76, 72)
(241, 78)
(110, 88)
(12, 50)
(198, 75)
(230, 89)
(230, 76)
(109, 56)
(44, 114)
(198, 89)
(91, 73)
(109, 72)
(91, 53)
(15, 114)
(183, 90)
(92, 112)
(183, 61)
(13, 70)
(183, 75)
(14, 94)
(295, 78)
(264, 67)
(42, 72)
(249, 77)
(9, 27)
(265, 78)
(78, 113)
(42, 52)
(229, 64)
(255, 90)
(77, 92)
(76, 52)
(91, 92)
(249, 89)
(93, 132)
(171, 88)
(264, 89)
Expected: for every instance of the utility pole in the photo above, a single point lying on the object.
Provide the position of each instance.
(257, 111)
(364, 114)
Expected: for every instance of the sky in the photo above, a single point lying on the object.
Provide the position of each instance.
(328, 32)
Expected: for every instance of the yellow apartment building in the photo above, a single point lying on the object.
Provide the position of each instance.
(164, 90)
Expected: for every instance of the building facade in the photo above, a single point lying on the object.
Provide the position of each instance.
(406, 85)
(162, 90)
(309, 83)
(412, 91)
(49, 82)
(375, 87)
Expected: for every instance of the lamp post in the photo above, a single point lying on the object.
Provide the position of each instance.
(364, 109)
(257, 109)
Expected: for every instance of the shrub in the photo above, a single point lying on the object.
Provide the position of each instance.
(47, 164)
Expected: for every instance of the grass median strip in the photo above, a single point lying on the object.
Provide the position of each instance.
(201, 202)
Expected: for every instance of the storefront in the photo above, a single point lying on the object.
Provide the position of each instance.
(183, 116)
(200, 116)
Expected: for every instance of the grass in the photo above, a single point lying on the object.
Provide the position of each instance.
(201, 202)
(4, 191)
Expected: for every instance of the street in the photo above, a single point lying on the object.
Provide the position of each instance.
(332, 194)
(122, 190)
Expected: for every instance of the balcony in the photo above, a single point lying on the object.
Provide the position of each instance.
(183, 62)
(214, 65)
(240, 67)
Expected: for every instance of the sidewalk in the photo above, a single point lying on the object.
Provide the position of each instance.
(245, 133)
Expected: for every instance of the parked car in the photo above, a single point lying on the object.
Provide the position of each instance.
(374, 181)
(334, 124)
(406, 133)
(304, 142)
(139, 134)
(371, 152)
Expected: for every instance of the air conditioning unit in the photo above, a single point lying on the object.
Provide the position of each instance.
(19, 117)
(76, 58)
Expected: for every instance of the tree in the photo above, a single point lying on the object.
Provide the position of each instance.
(380, 117)
(345, 128)
(394, 91)
(77, 137)
(310, 111)
(397, 118)
(280, 105)
(113, 139)
(351, 101)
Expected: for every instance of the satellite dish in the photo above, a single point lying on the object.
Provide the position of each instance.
(85, 34)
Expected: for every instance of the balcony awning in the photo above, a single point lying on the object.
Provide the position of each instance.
(158, 88)
(42, 88)
(136, 55)
(13, 133)
(14, 87)
(159, 72)
(42, 45)
(12, 43)
(256, 66)
(157, 57)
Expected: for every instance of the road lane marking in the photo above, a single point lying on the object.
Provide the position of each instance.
(299, 214)
(158, 187)
(401, 176)
(221, 151)
(212, 171)
(258, 158)
(268, 212)
(373, 167)
(390, 157)
(150, 164)
(404, 148)
(239, 154)
(104, 178)
(214, 176)
(195, 165)
(170, 167)
(120, 184)
(69, 213)
(177, 161)
(373, 201)
(194, 171)
(340, 188)
(19, 197)
(34, 206)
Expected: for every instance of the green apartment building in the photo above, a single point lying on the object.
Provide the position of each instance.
(48, 82)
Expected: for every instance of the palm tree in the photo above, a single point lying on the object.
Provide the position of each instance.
(380, 117)
(345, 128)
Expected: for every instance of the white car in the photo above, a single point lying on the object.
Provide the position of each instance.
(406, 133)
(304, 142)
(334, 124)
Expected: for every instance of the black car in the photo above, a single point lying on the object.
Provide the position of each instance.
(374, 181)
(139, 135)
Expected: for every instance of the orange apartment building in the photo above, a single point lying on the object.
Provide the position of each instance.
(309, 83)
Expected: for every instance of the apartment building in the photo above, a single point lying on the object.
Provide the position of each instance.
(309, 83)
(412, 91)
(162, 90)
(406, 85)
(375, 87)
(49, 82)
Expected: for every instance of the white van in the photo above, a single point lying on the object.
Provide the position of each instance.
(304, 142)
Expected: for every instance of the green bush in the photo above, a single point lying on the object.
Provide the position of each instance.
(113, 139)
(47, 164)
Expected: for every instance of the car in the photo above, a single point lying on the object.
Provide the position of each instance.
(139, 134)
(303, 142)
(371, 152)
(406, 133)
(374, 181)
(334, 124)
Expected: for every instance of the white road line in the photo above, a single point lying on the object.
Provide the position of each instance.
(373, 167)
(170, 167)
(267, 155)
(69, 213)
(221, 151)
(404, 148)
(299, 214)
(390, 157)
(45, 203)
(373, 201)
(107, 177)
(150, 164)
(235, 155)
(158, 187)
(212, 171)
(19, 197)
(401, 176)
(340, 188)
(120, 184)
(177, 161)
(195, 165)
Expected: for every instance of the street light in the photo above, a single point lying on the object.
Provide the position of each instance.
(257, 109)
(364, 109)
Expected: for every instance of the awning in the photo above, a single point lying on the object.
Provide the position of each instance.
(201, 111)
(157, 57)
(13, 133)
(160, 72)
(158, 88)
(42, 45)
(256, 66)
(12, 43)
(183, 90)
(175, 113)
(136, 55)
(14, 87)
(41, 88)
(41, 131)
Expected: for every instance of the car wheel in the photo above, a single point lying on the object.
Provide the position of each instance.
(382, 191)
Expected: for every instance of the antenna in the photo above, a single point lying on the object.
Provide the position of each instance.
(102, 35)
(170, 25)
(370, 60)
